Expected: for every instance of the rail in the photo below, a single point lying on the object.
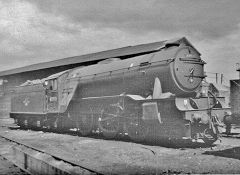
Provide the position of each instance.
(48, 153)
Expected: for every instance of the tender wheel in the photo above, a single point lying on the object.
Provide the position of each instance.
(32, 122)
(20, 122)
(209, 137)
(108, 122)
(47, 123)
(137, 130)
(35, 123)
(85, 124)
(25, 123)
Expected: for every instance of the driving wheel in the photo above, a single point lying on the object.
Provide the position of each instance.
(85, 124)
(137, 130)
(108, 121)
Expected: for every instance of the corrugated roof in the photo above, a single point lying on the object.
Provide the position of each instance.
(120, 52)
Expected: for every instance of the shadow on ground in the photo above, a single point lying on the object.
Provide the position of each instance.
(229, 153)
(165, 142)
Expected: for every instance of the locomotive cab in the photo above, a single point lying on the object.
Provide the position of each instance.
(51, 94)
(56, 90)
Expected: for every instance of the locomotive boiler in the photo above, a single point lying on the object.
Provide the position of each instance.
(148, 96)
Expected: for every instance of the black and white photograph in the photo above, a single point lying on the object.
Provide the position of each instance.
(119, 87)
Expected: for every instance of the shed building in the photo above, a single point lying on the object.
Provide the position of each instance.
(14, 77)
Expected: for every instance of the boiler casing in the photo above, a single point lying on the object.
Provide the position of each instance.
(179, 69)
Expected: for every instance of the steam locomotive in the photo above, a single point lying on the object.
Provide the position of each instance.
(150, 95)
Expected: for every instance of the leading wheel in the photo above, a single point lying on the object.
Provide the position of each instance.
(209, 136)
(108, 122)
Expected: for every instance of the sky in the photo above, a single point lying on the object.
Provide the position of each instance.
(33, 31)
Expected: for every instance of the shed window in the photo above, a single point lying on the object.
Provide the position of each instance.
(53, 84)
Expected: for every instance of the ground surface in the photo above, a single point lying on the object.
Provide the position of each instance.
(119, 157)
(6, 167)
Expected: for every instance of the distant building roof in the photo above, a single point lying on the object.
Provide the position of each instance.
(123, 53)
(221, 87)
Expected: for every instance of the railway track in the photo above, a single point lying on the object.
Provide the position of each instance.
(171, 143)
(116, 157)
(235, 133)
(231, 135)
(39, 161)
(8, 168)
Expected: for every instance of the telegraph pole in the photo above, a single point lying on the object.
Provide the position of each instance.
(238, 68)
